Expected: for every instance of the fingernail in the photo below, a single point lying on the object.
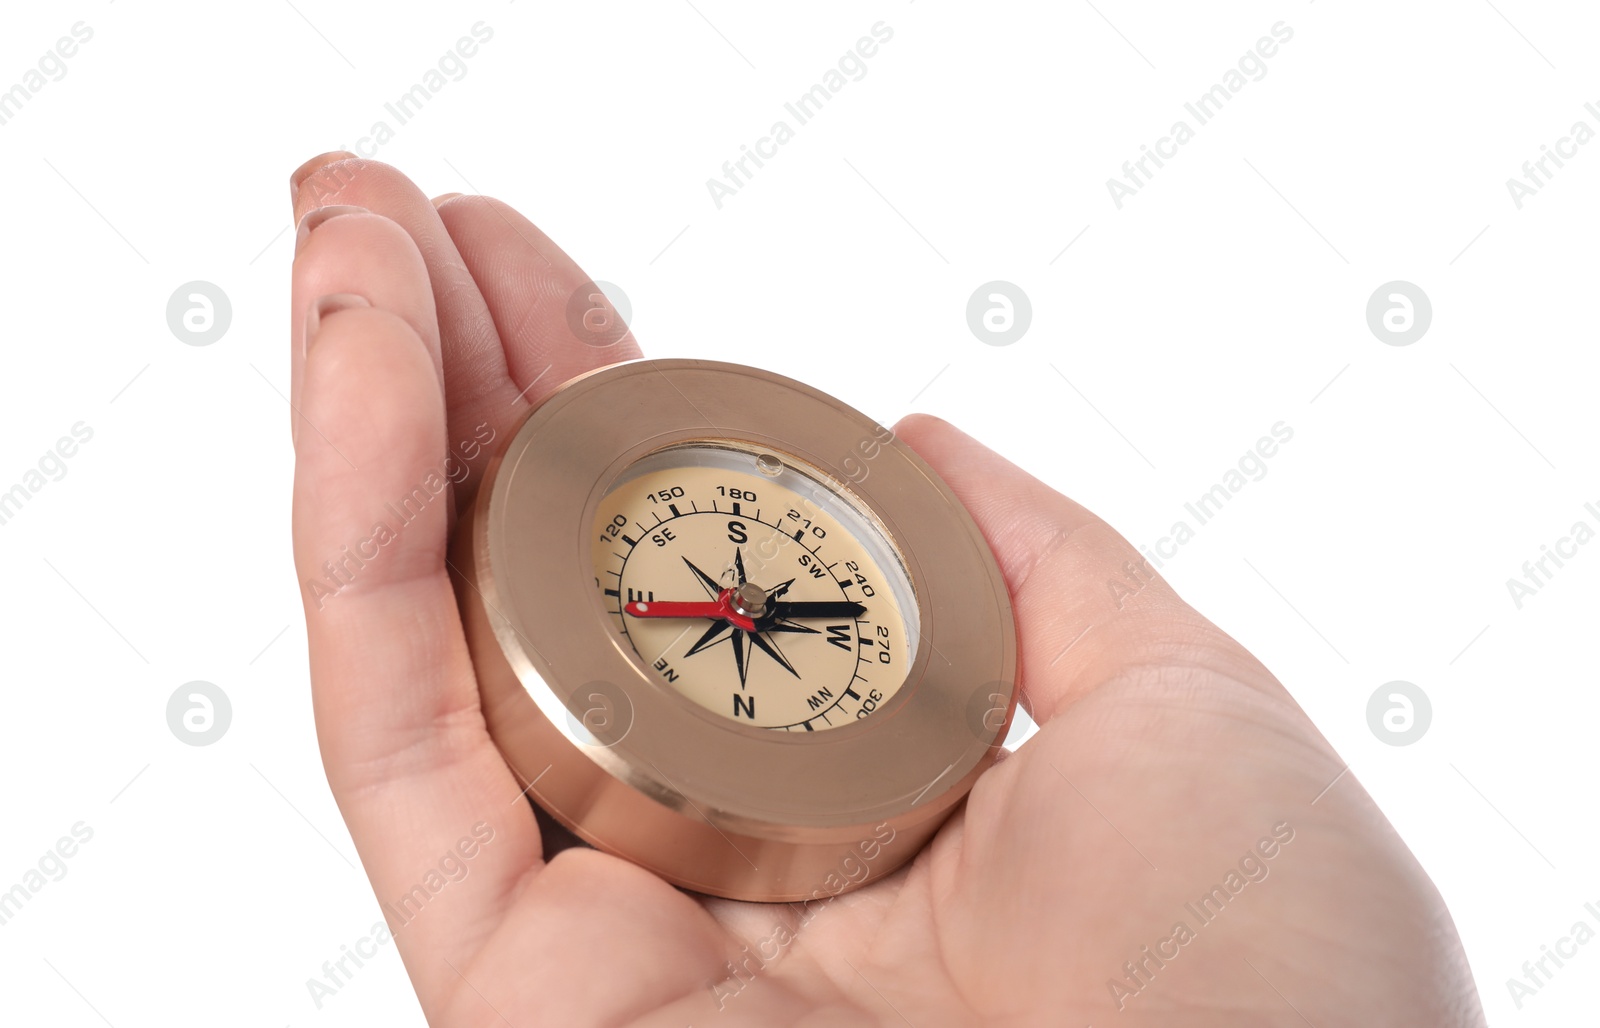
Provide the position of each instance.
(323, 306)
(316, 216)
(298, 178)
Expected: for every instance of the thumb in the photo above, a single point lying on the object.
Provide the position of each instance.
(1088, 604)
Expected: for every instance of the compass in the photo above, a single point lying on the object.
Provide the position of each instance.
(732, 630)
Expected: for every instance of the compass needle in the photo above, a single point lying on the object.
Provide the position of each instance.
(823, 609)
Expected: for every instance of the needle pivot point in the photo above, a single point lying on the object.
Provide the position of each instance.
(750, 599)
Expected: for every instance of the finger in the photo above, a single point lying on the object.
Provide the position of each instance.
(402, 736)
(344, 249)
(1088, 604)
(478, 389)
(554, 324)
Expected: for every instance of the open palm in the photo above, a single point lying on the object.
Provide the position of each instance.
(1177, 845)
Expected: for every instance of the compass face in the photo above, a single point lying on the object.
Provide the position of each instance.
(742, 581)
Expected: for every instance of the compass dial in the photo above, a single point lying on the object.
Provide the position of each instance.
(755, 590)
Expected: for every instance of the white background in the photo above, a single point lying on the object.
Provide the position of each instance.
(1227, 295)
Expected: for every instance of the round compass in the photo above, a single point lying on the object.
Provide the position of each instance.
(732, 630)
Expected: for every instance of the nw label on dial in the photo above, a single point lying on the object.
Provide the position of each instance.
(768, 599)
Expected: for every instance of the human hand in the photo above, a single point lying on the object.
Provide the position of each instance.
(1166, 752)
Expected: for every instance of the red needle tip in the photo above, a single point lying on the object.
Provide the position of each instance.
(718, 610)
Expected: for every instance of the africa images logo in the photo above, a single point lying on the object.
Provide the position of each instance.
(1203, 110)
(1140, 972)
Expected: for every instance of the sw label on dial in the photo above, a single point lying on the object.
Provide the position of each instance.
(753, 589)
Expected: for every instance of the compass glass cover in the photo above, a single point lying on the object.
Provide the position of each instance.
(744, 582)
